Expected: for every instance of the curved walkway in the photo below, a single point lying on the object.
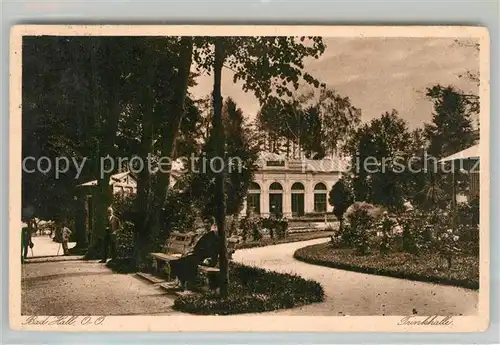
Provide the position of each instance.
(352, 293)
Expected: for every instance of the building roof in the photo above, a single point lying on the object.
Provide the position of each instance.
(469, 153)
(326, 165)
(112, 179)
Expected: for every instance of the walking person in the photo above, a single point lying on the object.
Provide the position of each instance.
(26, 242)
(110, 236)
(65, 234)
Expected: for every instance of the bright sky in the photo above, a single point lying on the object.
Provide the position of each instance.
(377, 74)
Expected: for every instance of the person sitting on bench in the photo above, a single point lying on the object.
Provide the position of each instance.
(185, 269)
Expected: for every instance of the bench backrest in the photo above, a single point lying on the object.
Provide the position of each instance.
(180, 243)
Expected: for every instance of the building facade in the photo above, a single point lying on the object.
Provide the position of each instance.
(292, 188)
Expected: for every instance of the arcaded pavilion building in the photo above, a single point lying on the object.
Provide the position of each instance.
(292, 188)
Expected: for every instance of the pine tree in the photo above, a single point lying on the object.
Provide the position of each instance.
(451, 129)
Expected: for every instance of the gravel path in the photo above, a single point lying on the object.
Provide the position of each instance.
(46, 247)
(352, 293)
(88, 288)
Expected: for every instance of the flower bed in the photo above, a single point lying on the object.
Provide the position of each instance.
(293, 237)
(428, 267)
(254, 290)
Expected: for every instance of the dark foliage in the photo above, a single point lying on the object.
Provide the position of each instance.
(254, 290)
(340, 197)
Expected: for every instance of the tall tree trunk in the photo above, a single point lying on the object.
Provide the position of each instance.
(142, 206)
(105, 191)
(220, 152)
(108, 103)
(171, 131)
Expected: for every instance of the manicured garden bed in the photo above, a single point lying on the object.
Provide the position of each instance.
(425, 267)
(254, 290)
(267, 241)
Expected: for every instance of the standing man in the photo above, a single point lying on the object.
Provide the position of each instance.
(25, 242)
(109, 237)
(65, 234)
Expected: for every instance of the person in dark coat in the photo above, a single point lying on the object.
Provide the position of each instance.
(109, 243)
(186, 268)
(26, 242)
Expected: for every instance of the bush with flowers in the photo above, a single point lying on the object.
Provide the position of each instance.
(357, 229)
(417, 232)
(251, 226)
(448, 245)
(386, 232)
(277, 226)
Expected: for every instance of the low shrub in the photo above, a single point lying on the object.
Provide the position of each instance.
(357, 228)
(254, 290)
(386, 233)
(448, 245)
(469, 239)
(251, 227)
(281, 228)
(375, 212)
(277, 227)
(468, 213)
(418, 232)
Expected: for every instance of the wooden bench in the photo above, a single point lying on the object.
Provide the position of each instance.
(179, 244)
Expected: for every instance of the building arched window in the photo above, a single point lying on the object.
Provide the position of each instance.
(298, 199)
(297, 186)
(275, 186)
(254, 186)
(320, 196)
(253, 198)
(276, 199)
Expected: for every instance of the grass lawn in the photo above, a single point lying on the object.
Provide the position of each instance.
(426, 267)
(267, 241)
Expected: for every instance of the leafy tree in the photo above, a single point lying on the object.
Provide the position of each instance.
(317, 122)
(313, 135)
(339, 118)
(266, 66)
(242, 155)
(239, 162)
(379, 151)
(59, 120)
(340, 197)
(80, 92)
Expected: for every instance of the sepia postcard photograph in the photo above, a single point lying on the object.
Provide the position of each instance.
(249, 178)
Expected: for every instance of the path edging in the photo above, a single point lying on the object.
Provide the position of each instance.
(383, 272)
(262, 245)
